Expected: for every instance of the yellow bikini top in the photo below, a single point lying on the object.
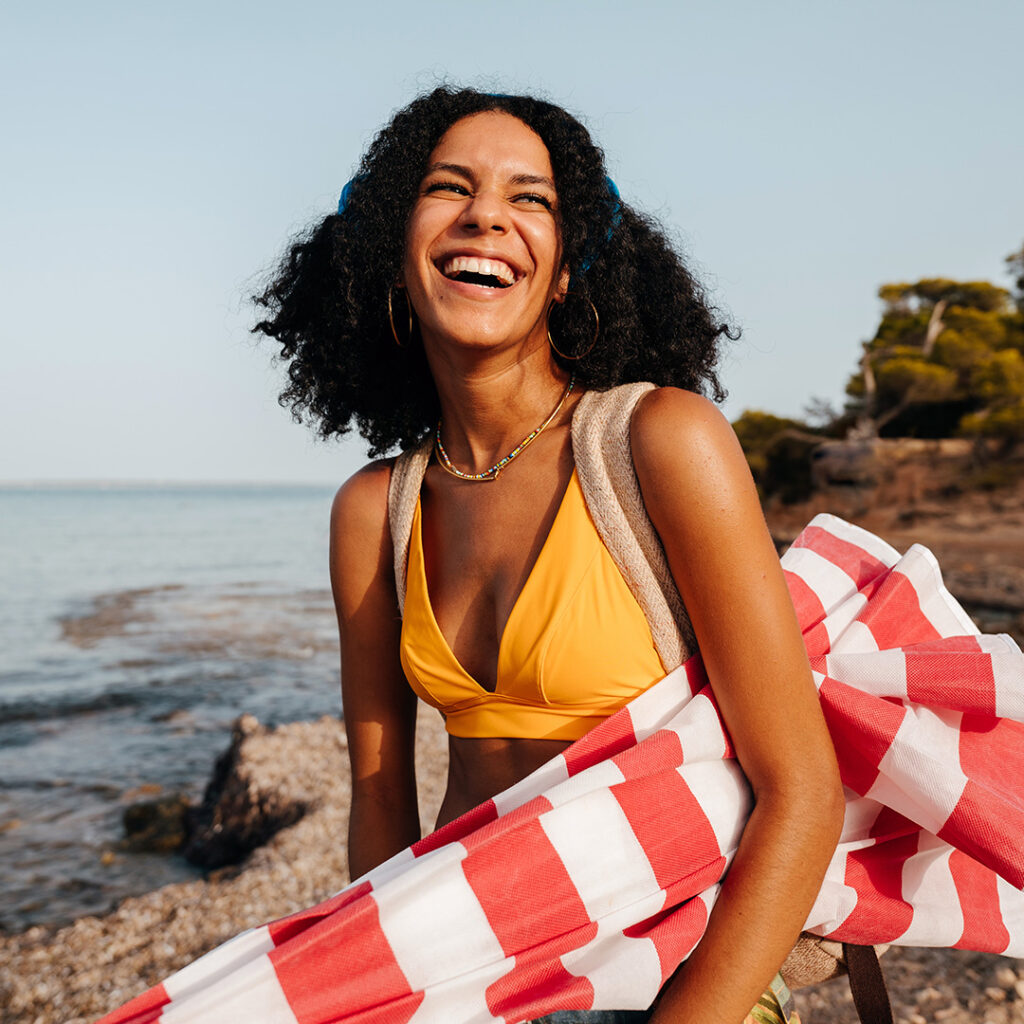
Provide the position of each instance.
(575, 649)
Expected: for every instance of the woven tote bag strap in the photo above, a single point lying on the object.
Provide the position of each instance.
(403, 493)
(604, 464)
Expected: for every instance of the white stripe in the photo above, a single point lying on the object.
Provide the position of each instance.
(723, 793)
(243, 948)
(600, 851)
(433, 920)
(883, 673)
(850, 634)
(920, 774)
(1008, 674)
(250, 993)
(462, 999)
(1011, 906)
(625, 973)
(700, 730)
(928, 886)
(596, 777)
(830, 584)
(938, 605)
(652, 709)
(549, 774)
(393, 866)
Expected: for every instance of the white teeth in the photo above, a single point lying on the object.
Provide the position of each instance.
(477, 265)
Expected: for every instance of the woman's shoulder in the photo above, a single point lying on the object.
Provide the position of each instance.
(361, 502)
(672, 429)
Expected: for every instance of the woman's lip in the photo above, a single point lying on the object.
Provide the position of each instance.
(517, 272)
(480, 291)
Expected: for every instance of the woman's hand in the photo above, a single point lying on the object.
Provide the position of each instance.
(700, 496)
(379, 706)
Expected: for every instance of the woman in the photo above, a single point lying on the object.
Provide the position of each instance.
(482, 276)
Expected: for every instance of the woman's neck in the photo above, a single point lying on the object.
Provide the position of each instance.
(490, 405)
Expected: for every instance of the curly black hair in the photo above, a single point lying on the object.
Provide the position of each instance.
(327, 306)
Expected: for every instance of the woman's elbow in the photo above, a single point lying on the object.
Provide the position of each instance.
(810, 799)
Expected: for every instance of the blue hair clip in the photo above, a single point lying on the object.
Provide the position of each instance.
(345, 193)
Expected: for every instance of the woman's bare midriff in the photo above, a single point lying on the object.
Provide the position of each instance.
(480, 768)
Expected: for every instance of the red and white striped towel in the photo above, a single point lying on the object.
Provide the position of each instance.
(586, 884)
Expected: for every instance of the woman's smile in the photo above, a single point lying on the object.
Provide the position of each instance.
(483, 248)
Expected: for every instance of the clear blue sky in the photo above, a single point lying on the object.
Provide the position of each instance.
(156, 157)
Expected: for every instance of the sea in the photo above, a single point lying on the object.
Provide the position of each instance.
(137, 622)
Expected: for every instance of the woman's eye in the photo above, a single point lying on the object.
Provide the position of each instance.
(447, 186)
(533, 197)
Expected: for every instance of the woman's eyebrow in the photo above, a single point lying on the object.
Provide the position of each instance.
(531, 179)
(463, 172)
(515, 179)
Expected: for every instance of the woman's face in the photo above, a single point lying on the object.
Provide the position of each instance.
(483, 249)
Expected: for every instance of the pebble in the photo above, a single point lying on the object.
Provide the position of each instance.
(1006, 976)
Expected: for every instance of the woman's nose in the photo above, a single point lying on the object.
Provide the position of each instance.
(485, 212)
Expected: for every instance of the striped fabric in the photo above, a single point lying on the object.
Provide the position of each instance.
(587, 883)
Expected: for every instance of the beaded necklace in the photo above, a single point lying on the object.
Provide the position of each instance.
(492, 473)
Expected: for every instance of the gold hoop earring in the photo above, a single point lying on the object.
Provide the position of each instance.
(391, 318)
(593, 341)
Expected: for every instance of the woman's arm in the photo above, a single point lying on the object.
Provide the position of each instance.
(380, 708)
(702, 501)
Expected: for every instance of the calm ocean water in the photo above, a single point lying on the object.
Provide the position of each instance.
(135, 625)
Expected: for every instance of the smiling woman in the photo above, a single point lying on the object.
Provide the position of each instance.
(536, 299)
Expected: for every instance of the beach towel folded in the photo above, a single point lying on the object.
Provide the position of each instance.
(587, 883)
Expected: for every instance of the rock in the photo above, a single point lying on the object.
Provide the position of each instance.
(155, 826)
(246, 801)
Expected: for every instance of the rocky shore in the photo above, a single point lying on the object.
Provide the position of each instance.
(287, 790)
(76, 974)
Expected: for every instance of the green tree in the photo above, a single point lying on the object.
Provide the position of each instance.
(947, 358)
(778, 452)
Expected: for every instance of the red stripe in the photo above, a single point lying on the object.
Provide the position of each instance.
(875, 873)
(893, 614)
(286, 928)
(953, 674)
(857, 563)
(481, 815)
(988, 820)
(612, 736)
(863, 727)
(696, 674)
(528, 894)
(673, 831)
(978, 894)
(538, 985)
(661, 751)
(343, 968)
(524, 896)
(809, 609)
(143, 1009)
(674, 932)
